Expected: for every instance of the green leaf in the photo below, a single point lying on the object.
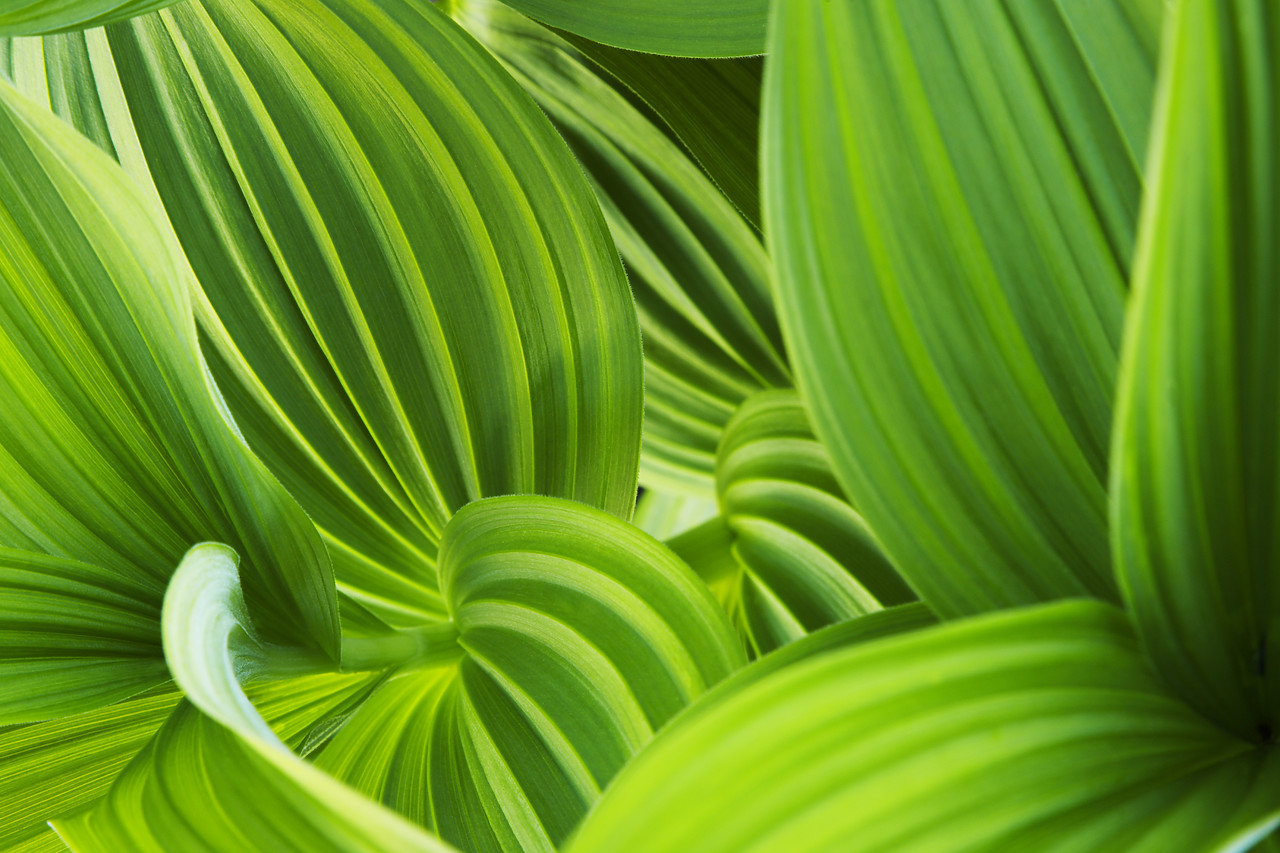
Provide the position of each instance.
(666, 514)
(411, 300)
(115, 449)
(32, 17)
(670, 27)
(73, 636)
(63, 765)
(582, 636)
(1197, 473)
(218, 776)
(951, 192)
(699, 272)
(800, 556)
(1037, 729)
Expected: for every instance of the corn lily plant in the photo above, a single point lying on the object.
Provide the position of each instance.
(941, 338)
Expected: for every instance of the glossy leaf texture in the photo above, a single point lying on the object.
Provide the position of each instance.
(35, 17)
(220, 775)
(1197, 472)
(799, 556)
(951, 192)
(667, 27)
(580, 637)
(972, 730)
(115, 453)
(412, 298)
(698, 269)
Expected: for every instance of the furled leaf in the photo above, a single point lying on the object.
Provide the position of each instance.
(699, 272)
(1039, 729)
(801, 556)
(670, 27)
(1197, 472)
(412, 300)
(32, 17)
(582, 636)
(951, 193)
(218, 777)
(114, 449)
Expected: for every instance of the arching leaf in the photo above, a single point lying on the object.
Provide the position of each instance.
(412, 300)
(33, 17)
(1039, 729)
(115, 451)
(951, 193)
(1197, 472)
(670, 27)
(582, 636)
(699, 272)
(800, 556)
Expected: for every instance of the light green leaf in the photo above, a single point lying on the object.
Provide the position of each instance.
(1038, 729)
(699, 272)
(218, 776)
(669, 27)
(951, 192)
(1197, 473)
(800, 556)
(411, 299)
(60, 766)
(73, 636)
(666, 514)
(582, 636)
(32, 17)
(115, 450)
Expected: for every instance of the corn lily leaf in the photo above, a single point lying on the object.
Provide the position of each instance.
(578, 637)
(115, 452)
(218, 776)
(951, 193)
(1037, 729)
(697, 267)
(800, 557)
(666, 514)
(668, 27)
(411, 299)
(1196, 508)
(34, 17)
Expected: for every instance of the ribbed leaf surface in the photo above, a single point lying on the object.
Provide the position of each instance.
(32, 17)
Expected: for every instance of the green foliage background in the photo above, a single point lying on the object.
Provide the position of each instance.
(939, 340)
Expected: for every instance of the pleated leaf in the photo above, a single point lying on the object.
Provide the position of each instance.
(218, 776)
(1039, 729)
(951, 193)
(115, 450)
(669, 27)
(698, 269)
(581, 637)
(1197, 473)
(800, 556)
(33, 17)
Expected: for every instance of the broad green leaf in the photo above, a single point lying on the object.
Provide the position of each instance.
(410, 299)
(218, 776)
(1197, 472)
(666, 514)
(1038, 729)
(800, 556)
(115, 450)
(699, 272)
(63, 765)
(32, 17)
(74, 636)
(669, 27)
(579, 636)
(951, 193)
